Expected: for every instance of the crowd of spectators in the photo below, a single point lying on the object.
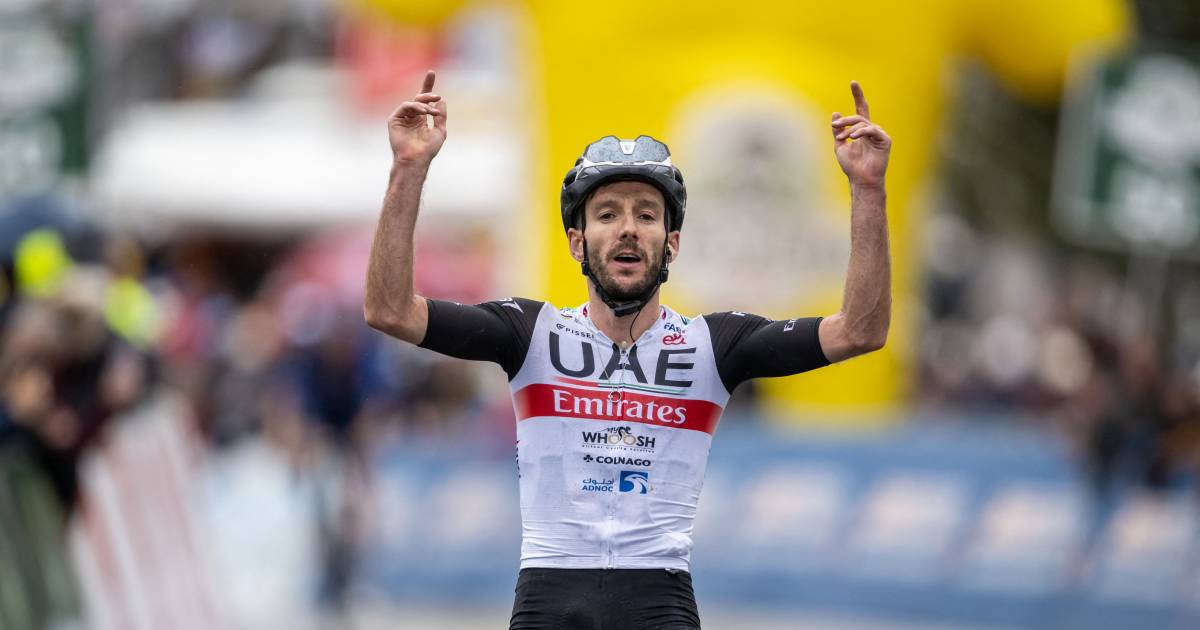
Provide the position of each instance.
(1098, 346)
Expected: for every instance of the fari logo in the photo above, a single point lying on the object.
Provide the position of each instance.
(634, 481)
(618, 438)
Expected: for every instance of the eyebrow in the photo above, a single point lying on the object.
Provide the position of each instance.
(639, 203)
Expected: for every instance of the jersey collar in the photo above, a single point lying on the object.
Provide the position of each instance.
(665, 314)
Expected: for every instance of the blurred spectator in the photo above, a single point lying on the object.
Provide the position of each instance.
(1017, 320)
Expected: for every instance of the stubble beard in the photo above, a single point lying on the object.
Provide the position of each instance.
(612, 286)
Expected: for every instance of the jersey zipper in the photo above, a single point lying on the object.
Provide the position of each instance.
(609, 559)
(616, 396)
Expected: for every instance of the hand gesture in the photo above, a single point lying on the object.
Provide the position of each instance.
(862, 147)
(413, 140)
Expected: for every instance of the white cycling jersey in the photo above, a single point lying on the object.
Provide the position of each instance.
(612, 445)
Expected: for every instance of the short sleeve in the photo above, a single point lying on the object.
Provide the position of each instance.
(497, 331)
(749, 346)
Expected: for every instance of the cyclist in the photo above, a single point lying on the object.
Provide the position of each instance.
(616, 400)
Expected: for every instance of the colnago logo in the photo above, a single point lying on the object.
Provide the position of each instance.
(635, 481)
(620, 461)
(618, 437)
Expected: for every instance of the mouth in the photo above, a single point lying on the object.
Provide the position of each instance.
(628, 259)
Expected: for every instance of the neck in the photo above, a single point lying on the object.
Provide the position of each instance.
(617, 328)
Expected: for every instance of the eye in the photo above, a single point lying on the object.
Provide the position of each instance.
(606, 216)
(647, 217)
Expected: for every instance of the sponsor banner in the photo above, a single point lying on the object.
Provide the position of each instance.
(542, 400)
(1127, 179)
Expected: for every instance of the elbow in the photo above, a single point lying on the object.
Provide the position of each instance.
(372, 317)
(401, 323)
(378, 318)
(869, 342)
(876, 343)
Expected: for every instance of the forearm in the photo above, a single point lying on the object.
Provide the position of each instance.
(390, 304)
(867, 299)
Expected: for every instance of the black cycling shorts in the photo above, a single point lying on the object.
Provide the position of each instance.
(604, 599)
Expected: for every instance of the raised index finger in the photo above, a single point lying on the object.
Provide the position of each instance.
(860, 101)
(428, 85)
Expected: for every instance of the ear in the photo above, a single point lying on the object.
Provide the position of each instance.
(673, 246)
(575, 242)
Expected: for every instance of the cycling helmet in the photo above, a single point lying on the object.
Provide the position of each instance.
(611, 159)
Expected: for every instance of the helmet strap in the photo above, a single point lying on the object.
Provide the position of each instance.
(623, 309)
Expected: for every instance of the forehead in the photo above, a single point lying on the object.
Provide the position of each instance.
(621, 192)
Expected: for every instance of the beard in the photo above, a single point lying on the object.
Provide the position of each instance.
(619, 289)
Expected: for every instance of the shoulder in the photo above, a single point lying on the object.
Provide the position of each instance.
(513, 308)
(513, 313)
(521, 305)
(739, 320)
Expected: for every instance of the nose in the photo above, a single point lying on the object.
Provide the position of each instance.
(629, 226)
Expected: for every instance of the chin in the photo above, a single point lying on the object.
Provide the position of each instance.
(626, 292)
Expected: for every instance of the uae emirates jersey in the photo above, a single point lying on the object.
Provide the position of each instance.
(612, 443)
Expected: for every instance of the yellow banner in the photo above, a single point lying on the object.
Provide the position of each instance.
(743, 95)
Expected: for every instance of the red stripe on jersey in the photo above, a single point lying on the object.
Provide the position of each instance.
(542, 399)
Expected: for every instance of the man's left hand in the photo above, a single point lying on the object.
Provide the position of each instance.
(862, 147)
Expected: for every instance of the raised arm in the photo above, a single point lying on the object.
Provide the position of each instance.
(390, 304)
(862, 149)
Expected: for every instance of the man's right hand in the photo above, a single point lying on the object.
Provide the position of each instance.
(413, 141)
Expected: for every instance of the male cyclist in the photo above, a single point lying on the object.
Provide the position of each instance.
(616, 400)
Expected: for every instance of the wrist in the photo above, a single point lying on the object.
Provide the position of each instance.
(410, 168)
(868, 187)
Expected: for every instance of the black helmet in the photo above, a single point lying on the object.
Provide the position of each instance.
(611, 159)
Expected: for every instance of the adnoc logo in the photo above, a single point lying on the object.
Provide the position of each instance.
(634, 481)
(591, 484)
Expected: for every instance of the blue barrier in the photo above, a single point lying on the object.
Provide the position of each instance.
(938, 522)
